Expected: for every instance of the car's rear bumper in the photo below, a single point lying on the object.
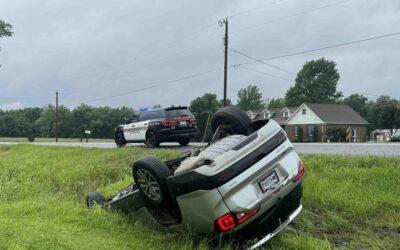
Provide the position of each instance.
(278, 229)
(169, 135)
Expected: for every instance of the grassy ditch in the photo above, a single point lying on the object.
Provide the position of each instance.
(350, 202)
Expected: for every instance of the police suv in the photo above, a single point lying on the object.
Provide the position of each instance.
(173, 124)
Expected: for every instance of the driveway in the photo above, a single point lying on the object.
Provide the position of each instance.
(380, 149)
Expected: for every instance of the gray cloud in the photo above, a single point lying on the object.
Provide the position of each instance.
(95, 49)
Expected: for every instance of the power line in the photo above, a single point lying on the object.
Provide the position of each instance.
(265, 73)
(357, 92)
(155, 85)
(289, 72)
(290, 16)
(198, 31)
(323, 48)
(261, 61)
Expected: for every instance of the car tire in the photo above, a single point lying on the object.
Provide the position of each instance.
(151, 140)
(94, 198)
(149, 174)
(232, 117)
(119, 138)
(184, 141)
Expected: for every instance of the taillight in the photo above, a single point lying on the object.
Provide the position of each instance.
(229, 221)
(226, 222)
(192, 121)
(168, 123)
(301, 171)
(242, 217)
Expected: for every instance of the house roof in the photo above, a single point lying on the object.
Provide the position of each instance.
(256, 111)
(336, 113)
(279, 112)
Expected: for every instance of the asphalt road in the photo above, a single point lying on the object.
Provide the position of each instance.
(381, 149)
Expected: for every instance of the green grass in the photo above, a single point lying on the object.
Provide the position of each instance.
(350, 202)
(43, 139)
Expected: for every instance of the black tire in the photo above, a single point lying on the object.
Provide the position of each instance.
(94, 198)
(151, 140)
(237, 120)
(184, 141)
(119, 138)
(149, 174)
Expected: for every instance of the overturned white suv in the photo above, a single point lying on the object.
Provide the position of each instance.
(247, 182)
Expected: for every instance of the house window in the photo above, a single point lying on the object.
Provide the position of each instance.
(311, 130)
(296, 131)
(286, 114)
(304, 111)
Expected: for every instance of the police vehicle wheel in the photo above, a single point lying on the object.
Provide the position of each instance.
(94, 198)
(151, 140)
(149, 174)
(184, 141)
(120, 139)
(230, 120)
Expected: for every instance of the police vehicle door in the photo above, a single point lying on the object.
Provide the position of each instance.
(141, 127)
(129, 128)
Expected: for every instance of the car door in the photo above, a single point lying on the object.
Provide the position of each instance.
(129, 128)
(140, 127)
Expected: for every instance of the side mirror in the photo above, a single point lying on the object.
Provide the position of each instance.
(125, 119)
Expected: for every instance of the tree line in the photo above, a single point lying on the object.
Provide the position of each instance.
(40, 122)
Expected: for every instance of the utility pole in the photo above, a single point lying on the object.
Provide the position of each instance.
(56, 123)
(225, 22)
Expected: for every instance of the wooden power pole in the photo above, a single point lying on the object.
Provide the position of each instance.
(56, 122)
(225, 22)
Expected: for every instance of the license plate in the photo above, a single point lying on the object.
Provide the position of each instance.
(182, 123)
(269, 182)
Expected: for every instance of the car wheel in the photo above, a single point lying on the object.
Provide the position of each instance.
(149, 174)
(94, 198)
(119, 138)
(184, 141)
(230, 120)
(151, 140)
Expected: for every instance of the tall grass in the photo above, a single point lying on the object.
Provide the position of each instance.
(350, 202)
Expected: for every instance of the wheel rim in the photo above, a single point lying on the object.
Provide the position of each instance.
(148, 184)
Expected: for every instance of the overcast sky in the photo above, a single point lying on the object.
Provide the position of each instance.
(94, 51)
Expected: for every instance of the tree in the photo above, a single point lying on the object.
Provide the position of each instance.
(5, 29)
(276, 103)
(388, 113)
(358, 103)
(203, 108)
(228, 102)
(45, 124)
(371, 115)
(250, 98)
(316, 82)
